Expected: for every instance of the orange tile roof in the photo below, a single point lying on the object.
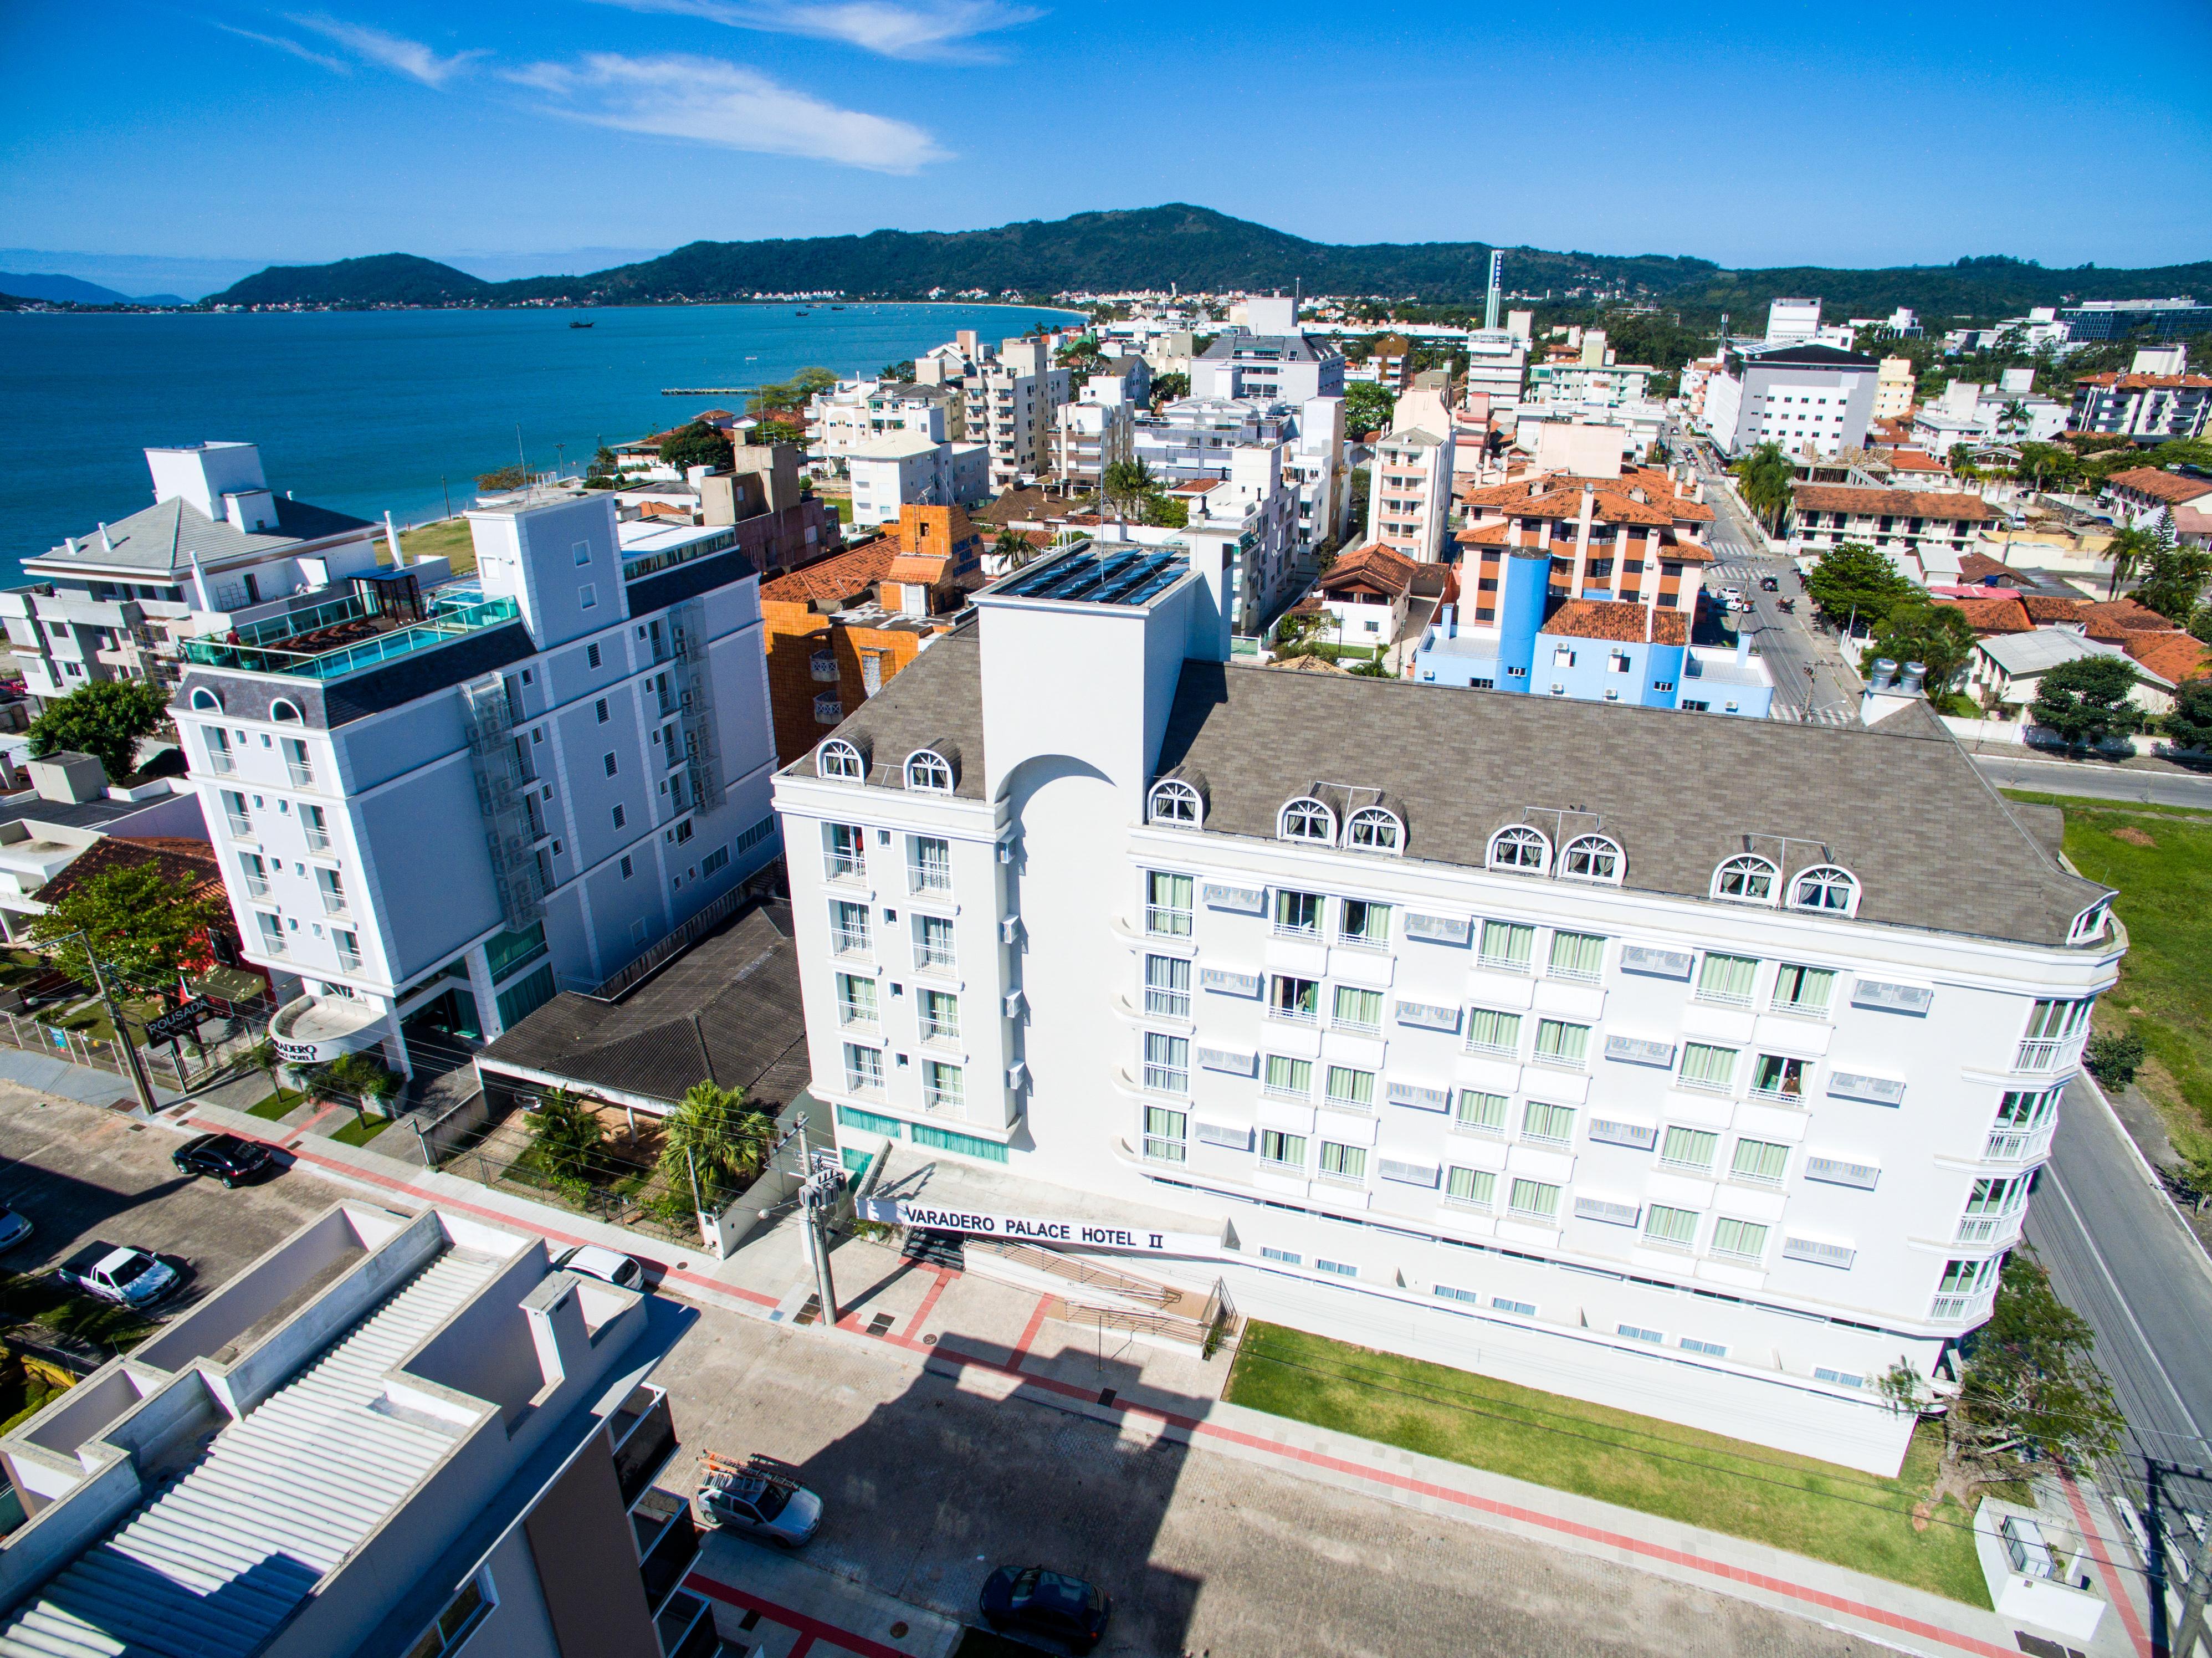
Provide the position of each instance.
(1486, 535)
(1382, 567)
(1979, 567)
(2174, 656)
(838, 577)
(1992, 616)
(2117, 621)
(2160, 484)
(1903, 503)
(1619, 619)
(191, 866)
(1914, 460)
(2046, 607)
(2111, 381)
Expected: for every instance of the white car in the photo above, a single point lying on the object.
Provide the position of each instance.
(589, 1261)
(14, 1228)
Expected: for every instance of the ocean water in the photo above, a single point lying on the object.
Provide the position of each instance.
(392, 410)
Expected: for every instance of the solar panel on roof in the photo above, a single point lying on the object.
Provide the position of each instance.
(1130, 576)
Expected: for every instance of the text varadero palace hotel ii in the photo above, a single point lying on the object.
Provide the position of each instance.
(1677, 1062)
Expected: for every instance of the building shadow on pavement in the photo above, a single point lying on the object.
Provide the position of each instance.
(972, 1467)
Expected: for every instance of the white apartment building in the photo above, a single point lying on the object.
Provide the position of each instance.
(1497, 362)
(1195, 438)
(853, 414)
(1409, 489)
(1285, 366)
(217, 548)
(908, 469)
(1893, 389)
(1011, 400)
(435, 807)
(1251, 517)
(1809, 399)
(1710, 1101)
(1789, 320)
(1096, 431)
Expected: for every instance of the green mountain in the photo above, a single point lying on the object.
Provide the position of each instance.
(379, 279)
(1196, 248)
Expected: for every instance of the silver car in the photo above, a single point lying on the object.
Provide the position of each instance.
(14, 1228)
(759, 1504)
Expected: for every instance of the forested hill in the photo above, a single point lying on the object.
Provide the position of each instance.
(1195, 248)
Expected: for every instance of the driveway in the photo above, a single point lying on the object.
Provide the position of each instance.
(81, 1173)
(930, 1483)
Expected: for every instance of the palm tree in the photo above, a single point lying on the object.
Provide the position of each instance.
(1126, 482)
(713, 1137)
(565, 1135)
(2014, 418)
(2129, 549)
(1768, 480)
(1012, 550)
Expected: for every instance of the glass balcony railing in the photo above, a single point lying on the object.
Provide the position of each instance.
(644, 1433)
(340, 639)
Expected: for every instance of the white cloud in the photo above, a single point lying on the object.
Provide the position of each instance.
(713, 102)
(337, 66)
(941, 30)
(393, 51)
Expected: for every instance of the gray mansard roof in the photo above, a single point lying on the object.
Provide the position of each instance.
(164, 539)
(1899, 805)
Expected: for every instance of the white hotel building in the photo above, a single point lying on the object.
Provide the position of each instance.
(1660, 1061)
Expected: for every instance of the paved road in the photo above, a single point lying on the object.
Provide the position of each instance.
(2100, 782)
(81, 1173)
(927, 1486)
(2118, 1255)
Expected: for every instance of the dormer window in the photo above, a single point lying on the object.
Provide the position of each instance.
(839, 761)
(928, 772)
(1824, 887)
(284, 712)
(1592, 857)
(1520, 849)
(1746, 879)
(1374, 829)
(1173, 802)
(1307, 820)
(204, 698)
(2090, 926)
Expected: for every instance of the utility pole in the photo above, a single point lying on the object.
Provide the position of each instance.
(818, 1195)
(2184, 1645)
(139, 1084)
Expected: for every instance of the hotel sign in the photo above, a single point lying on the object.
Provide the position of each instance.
(1028, 1229)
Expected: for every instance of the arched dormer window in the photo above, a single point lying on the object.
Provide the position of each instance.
(1827, 889)
(1592, 857)
(204, 698)
(929, 772)
(1174, 802)
(2090, 926)
(839, 761)
(284, 712)
(1306, 819)
(1519, 848)
(1746, 878)
(1375, 829)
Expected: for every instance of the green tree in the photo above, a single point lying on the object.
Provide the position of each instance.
(1012, 548)
(779, 431)
(1937, 636)
(696, 445)
(2113, 1057)
(2189, 722)
(1766, 479)
(566, 1135)
(606, 463)
(1125, 485)
(2029, 1388)
(1853, 579)
(901, 370)
(713, 1133)
(1962, 458)
(2200, 625)
(1373, 668)
(2086, 700)
(1166, 512)
(2014, 418)
(2129, 549)
(501, 478)
(105, 719)
(2174, 579)
(1367, 408)
(1169, 388)
(149, 931)
(2048, 466)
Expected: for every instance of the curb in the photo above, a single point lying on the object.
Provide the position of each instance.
(2143, 1166)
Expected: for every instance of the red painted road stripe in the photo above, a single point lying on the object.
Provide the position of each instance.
(499, 1217)
(2104, 1569)
(809, 1628)
(928, 1303)
(801, 1647)
(1028, 1333)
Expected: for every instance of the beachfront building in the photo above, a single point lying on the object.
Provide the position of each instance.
(217, 549)
(1708, 1101)
(1011, 398)
(392, 1434)
(434, 804)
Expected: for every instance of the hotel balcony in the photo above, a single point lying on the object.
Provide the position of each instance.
(349, 635)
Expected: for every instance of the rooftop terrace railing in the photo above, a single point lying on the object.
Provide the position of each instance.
(252, 656)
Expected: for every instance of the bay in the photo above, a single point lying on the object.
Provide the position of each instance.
(371, 411)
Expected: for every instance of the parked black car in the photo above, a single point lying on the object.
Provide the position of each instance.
(224, 1158)
(1050, 1605)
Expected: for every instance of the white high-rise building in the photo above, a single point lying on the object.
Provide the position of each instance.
(1010, 403)
(1445, 1021)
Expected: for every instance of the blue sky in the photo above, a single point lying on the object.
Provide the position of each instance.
(516, 135)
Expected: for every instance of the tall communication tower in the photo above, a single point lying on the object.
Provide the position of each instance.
(1490, 307)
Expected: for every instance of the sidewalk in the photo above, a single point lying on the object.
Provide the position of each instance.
(930, 1318)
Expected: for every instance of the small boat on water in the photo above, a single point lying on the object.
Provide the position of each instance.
(582, 325)
(837, 307)
(802, 314)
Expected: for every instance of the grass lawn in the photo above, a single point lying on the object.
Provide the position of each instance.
(361, 1130)
(1834, 1514)
(276, 1105)
(2159, 859)
(448, 538)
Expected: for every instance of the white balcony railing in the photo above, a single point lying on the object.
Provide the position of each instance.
(1292, 1014)
(334, 903)
(2046, 1054)
(1962, 1308)
(1986, 1229)
(2016, 1144)
(240, 828)
(844, 866)
(221, 761)
(301, 773)
(843, 942)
